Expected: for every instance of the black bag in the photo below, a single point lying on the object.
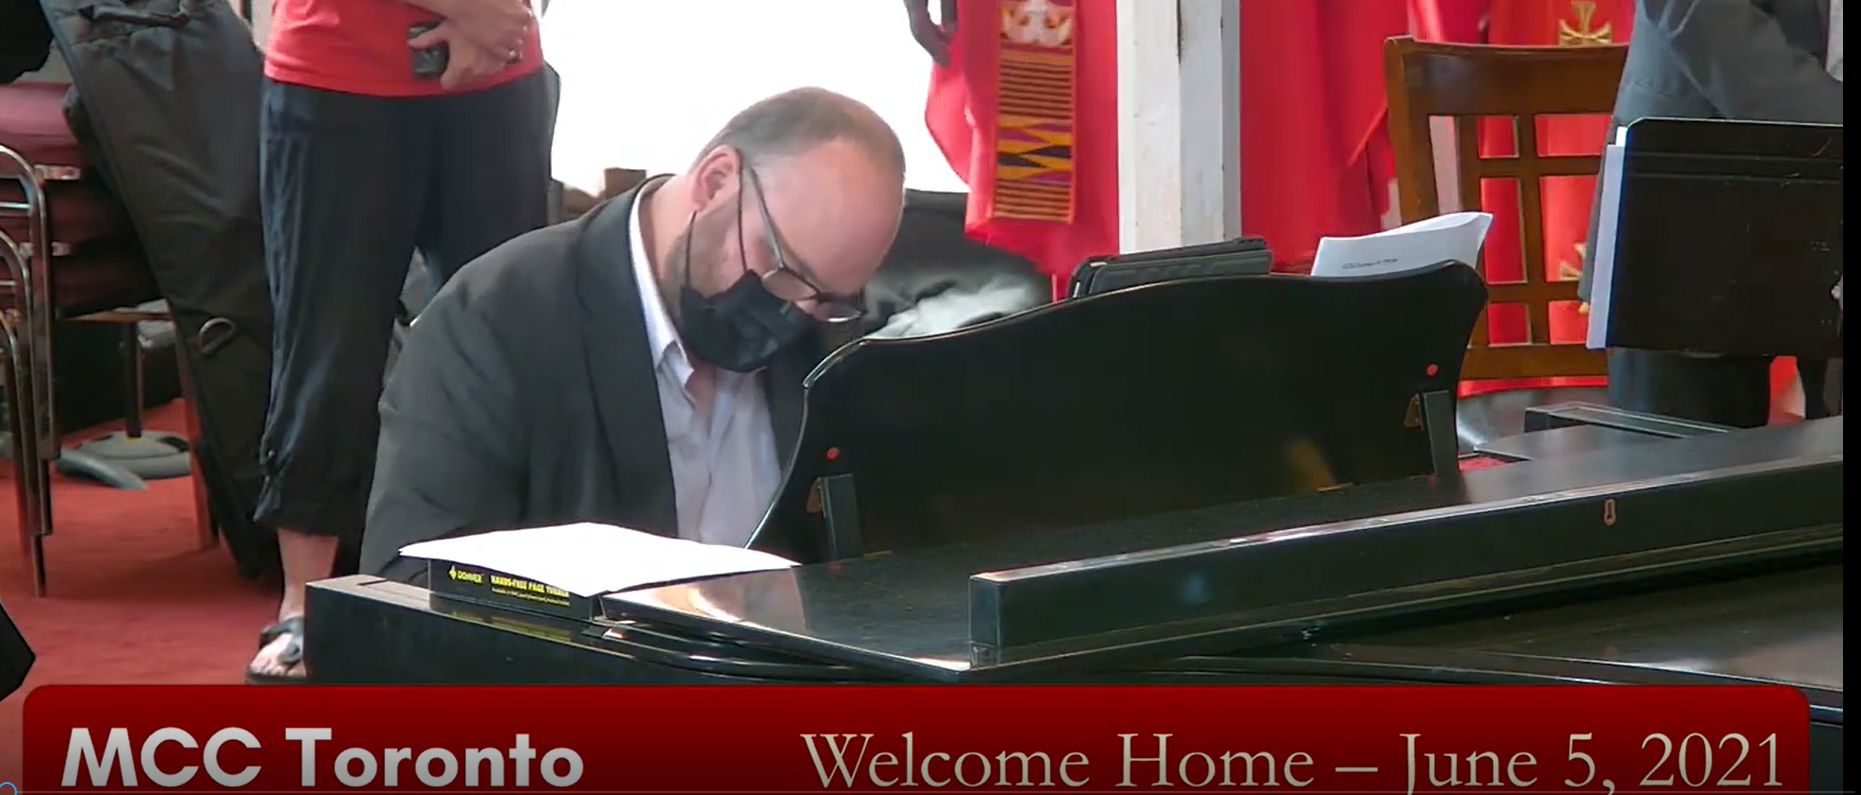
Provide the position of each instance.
(184, 163)
(1247, 256)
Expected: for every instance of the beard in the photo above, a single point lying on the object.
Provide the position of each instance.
(697, 259)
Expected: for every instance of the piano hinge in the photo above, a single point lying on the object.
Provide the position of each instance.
(1437, 418)
(840, 514)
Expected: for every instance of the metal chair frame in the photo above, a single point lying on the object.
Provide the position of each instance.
(27, 326)
(28, 333)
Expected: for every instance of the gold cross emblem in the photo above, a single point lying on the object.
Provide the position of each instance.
(1584, 32)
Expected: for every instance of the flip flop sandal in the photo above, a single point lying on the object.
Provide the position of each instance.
(292, 656)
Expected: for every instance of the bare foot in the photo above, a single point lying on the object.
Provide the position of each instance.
(282, 658)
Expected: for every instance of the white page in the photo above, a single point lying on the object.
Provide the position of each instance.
(1455, 236)
(591, 559)
(1602, 260)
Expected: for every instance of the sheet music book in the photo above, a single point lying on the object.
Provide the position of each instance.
(1455, 236)
(1602, 260)
(590, 559)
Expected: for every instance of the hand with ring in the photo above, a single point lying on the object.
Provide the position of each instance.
(500, 26)
(467, 61)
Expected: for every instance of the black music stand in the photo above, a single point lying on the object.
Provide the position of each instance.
(1164, 397)
(1727, 240)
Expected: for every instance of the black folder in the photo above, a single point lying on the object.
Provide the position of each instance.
(1728, 239)
(1245, 256)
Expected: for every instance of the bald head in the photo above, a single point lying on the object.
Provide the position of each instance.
(804, 189)
(798, 121)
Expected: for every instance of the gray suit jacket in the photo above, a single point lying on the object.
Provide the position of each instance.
(525, 396)
(1751, 60)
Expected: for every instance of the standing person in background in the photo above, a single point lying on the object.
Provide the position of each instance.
(372, 149)
(1019, 104)
(1769, 60)
(1024, 104)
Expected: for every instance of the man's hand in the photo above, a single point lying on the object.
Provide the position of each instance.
(933, 37)
(467, 61)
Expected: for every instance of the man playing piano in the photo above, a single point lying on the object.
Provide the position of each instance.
(641, 366)
(1756, 60)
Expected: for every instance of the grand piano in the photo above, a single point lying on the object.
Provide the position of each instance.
(1247, 480)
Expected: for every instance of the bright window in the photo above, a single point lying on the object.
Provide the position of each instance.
(647, 82)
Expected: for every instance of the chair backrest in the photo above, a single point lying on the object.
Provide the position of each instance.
(616, 181)
(1469, 82)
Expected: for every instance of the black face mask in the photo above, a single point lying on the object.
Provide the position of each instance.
(740, 329)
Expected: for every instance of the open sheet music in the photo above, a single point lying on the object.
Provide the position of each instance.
(1455, 236)
(592, 559)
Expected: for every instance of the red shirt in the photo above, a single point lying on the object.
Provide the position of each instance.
(360, 47)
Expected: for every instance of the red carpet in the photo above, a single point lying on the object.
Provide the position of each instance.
(131, 600)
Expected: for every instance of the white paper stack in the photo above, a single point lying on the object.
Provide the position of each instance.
(1455, 236)
(1602, 260)
(592, 559)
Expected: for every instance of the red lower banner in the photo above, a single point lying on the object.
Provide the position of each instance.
(778, 739)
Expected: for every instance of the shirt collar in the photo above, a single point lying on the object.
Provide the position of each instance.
(661, 335)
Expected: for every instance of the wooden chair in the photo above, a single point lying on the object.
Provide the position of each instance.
(1466, 83)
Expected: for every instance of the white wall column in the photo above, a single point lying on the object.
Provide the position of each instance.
(1179, 139)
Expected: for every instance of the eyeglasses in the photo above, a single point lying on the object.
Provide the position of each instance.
(790, 283)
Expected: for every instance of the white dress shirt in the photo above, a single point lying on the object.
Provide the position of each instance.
(724, 471)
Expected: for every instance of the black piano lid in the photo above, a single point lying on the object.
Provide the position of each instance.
(911, 614)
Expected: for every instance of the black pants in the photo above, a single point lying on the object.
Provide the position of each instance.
(1728, 390)
(351, 186)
